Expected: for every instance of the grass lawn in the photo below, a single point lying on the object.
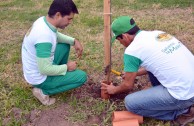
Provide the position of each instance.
(16, 17)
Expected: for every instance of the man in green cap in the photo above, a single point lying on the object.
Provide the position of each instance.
(170, 66)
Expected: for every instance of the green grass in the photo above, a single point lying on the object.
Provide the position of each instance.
(145, 4)
(89, 106)
(173, 16)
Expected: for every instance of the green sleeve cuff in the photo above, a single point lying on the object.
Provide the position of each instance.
(47, 68)
(131, 63)
(61, 38)
(43, 50)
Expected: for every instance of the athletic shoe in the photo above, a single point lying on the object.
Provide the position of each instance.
(44, 99)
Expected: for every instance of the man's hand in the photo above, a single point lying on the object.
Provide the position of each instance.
(123, 75)
(125, 85)
(78, 48)
(71, 65)
(110, 89)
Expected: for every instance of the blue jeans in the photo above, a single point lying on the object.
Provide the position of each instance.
(156, 102)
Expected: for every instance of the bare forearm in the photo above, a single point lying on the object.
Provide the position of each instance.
(123, 87)
(141, 71)
(127, 83)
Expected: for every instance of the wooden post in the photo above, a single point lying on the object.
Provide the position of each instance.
(107, 37)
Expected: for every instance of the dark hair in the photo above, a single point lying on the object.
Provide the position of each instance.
(132, 31)
(65, 7)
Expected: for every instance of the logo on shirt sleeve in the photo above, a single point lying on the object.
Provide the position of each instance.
(164, 37)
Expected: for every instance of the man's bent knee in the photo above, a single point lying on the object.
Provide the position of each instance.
(84, 79)
(82, 76)
(129, 103)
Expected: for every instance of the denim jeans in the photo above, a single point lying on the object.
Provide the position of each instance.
(156, 102)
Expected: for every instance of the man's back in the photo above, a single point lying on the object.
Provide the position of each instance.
(38, 33)
(168, 59)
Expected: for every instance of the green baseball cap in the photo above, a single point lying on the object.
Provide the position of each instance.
(121, 25)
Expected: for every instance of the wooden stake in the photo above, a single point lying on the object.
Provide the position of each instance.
(107, 37)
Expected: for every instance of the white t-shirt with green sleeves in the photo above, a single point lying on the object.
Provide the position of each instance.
(38, 49)
(164, 56)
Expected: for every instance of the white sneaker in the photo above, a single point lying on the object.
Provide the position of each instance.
(44, 99)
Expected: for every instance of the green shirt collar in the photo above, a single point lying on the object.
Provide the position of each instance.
(138, 32)
(53, 28)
